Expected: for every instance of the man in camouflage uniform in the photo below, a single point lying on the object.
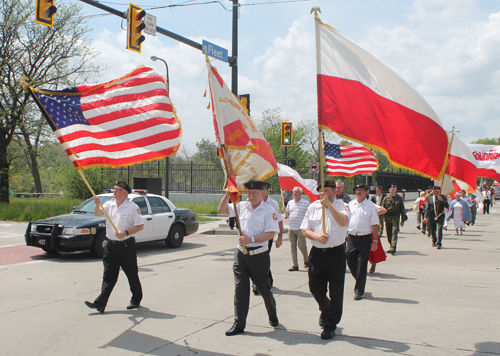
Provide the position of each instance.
(395, 211)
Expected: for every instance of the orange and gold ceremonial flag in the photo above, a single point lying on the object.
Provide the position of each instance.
(244, 153)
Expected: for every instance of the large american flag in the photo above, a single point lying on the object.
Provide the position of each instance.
(347, 160)
(118, 123)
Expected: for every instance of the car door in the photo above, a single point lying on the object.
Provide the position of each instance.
(162, 216)
(144, 235)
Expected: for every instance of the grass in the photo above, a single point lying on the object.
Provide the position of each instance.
(26, 209)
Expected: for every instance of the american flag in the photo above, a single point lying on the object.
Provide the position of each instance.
(119, 123)
(346, 160)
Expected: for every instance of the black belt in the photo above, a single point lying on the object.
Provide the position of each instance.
(120, 241)
(254, 248)
(330, 249)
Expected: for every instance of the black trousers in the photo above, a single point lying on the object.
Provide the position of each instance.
(116, 255)
(327, 272)
(358, 253)
(270, 275)
(436, 229)
(486, 206)
(255, 267)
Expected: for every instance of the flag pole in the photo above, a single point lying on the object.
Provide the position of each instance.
(322, 179)
(100, 205)
(243, 248)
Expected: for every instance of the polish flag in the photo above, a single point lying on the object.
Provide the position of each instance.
(488, 160)
(290, 178)
(462, 165)
(362, 99)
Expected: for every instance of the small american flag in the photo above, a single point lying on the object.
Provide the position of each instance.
(119, 123)
(346, 160)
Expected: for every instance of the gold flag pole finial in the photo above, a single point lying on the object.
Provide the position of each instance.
(316, 9)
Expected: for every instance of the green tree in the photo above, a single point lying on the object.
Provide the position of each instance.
(488, 141)
(207, 152)
(45, 57)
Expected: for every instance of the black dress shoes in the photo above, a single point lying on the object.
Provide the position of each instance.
(358, 296)
(255, 290)
(235, 330)
(274, 322)
(93, 306)
(133, 305)
(327, 334)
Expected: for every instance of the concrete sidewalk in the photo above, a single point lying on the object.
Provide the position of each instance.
(422, 301)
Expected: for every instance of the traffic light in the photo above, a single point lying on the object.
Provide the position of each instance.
(135, 27)
(44, 12)
(245, 101)
(286, 134)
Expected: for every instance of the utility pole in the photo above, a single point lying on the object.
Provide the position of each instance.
(234, 60)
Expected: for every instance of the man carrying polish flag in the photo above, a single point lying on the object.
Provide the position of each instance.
(290, 178)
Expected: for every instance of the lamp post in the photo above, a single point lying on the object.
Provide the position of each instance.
(167, 161)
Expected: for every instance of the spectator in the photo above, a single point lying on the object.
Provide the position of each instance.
(295, 211)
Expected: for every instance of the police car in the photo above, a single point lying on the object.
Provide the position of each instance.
(82, 230)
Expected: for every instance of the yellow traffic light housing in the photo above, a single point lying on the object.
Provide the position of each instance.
(286, 134)
(245, 101)
(135, 27)
(44, 12)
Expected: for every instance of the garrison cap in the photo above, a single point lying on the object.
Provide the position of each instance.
(393, 186)
(255, 184)
(380, 187)
(123, 185)
(266, 185)
(360, 186)
(436, 187)
(328, 183)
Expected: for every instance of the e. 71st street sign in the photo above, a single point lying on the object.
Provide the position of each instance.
(214, 51)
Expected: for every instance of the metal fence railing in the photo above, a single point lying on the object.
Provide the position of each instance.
(209, 178)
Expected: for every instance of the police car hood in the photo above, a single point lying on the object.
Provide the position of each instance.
(73, 220)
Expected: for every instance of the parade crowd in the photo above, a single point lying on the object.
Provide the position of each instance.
(344, 233)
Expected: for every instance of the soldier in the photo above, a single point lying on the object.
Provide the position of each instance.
(395, 210)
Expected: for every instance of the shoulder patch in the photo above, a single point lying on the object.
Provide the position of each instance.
(275, 217)
(346, 208)
(139, 211)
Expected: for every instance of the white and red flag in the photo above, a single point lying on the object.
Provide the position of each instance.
(118, 123)
(349, 160)
(290, 178)
(245, 154)
(462, 164)
(362, 99)
(488, 160)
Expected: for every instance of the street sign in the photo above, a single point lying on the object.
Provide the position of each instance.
(150, 22)
(314, 168)
(214, 51)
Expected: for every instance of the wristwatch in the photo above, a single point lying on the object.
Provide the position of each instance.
(253, 239)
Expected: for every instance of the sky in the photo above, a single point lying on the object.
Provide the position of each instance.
(448, 50)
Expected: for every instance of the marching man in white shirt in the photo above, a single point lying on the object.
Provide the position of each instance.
(327, 261)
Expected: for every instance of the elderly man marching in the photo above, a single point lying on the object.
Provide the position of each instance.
(362, 225)
(295, 211)
(258, 223)
(327, 261)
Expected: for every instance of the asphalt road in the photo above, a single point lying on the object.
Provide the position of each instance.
(422, 301)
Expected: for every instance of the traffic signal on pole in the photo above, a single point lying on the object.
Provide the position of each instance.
(44, 12)
(135, 27)
(245, 101)
(286, 134)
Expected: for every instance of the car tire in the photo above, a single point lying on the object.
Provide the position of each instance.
(175, 236)
(98, 245)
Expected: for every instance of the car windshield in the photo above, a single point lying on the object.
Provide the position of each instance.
(88, 205)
